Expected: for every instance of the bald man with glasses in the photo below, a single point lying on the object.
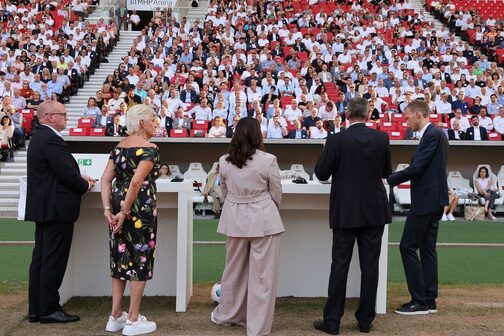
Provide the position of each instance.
(53, 197)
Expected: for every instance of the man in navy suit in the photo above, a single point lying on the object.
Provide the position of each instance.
(189, 95)
(298, 133)
(476, 132)
(429, 194)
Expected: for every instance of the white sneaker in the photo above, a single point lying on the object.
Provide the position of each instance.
(444, 218)
(139, 327)
(116, 324)
(450, 217)
(213, 319)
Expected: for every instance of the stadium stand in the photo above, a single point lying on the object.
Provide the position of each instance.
(47, 52)
(256, 58)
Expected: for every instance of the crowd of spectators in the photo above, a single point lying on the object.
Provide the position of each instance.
(294, 66)
(46, 54)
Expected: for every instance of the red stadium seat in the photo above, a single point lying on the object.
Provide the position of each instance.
(384, 117)
(85, 122)
(98, 131)
(387, 126)
(371, 124)
(396, 135)
(197, 133)
(178, 133)
(200, 125)
(78, 131)
(435, 118)
(291, 125)
(27, 121)
(402, 126)
(494, 136)
(398, 117)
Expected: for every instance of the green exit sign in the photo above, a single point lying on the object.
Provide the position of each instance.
(85, 162)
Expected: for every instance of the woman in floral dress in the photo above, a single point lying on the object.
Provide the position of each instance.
(129, 204)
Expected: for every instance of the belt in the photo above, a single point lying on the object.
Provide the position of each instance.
(248, 198)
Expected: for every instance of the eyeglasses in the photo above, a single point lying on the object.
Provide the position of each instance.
(63, 114)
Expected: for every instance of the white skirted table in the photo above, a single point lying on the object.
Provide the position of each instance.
(305, 252)
(88, 272)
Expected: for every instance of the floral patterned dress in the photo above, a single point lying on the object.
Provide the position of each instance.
(132, 250)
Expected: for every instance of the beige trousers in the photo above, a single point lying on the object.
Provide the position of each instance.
(249, 282)
(216, 195)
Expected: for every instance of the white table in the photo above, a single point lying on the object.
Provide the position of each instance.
(305, 252)
(88, 271)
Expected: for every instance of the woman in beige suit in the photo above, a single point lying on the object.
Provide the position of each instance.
(250, 184)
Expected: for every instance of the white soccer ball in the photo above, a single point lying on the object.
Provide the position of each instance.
(215, 293)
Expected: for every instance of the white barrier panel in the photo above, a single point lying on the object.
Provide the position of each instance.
(88, 272)
(92, 165)
(305, 250)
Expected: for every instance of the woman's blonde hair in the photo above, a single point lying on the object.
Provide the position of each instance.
(135, 115)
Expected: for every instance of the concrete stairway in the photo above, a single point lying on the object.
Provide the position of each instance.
(197, 13)
(10, 172)
(420, 4)
(78, 102)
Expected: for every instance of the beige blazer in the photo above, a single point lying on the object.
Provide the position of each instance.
(252, 196)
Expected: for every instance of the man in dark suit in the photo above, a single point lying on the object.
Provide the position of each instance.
(456, 133)
(357, 160)
(476, 132)
(429, 194)
(189, 95)
(53, 197)
(115, 128)
(298, 133)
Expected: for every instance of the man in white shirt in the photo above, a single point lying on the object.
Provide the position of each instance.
(498, 122)
(318, 132)
(484, 120)
(275, 128)
(202, 111)
(443, 106)
(472, 90)
(292, 112)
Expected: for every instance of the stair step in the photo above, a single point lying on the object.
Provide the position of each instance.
(12, 194)
(13, 171)
(6, 202)
(10, 186)
(8, 179)
(8, 212)
(13, 165)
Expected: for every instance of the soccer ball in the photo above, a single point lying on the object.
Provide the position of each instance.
(215, 293)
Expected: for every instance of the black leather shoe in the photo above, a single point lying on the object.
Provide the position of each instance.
(59, 316)
(320, 325)
(33, 318)
(364, 328)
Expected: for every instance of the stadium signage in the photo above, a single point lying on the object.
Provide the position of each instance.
(149, 5)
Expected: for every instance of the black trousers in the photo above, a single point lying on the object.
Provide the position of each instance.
(369, 244)
(420, 233)
(49, 261)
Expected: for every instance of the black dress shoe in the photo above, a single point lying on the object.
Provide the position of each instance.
(59, 316)
(364, 328)
(33, 318)
(320, 325)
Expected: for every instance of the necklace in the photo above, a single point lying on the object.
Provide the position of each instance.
(140, 135)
